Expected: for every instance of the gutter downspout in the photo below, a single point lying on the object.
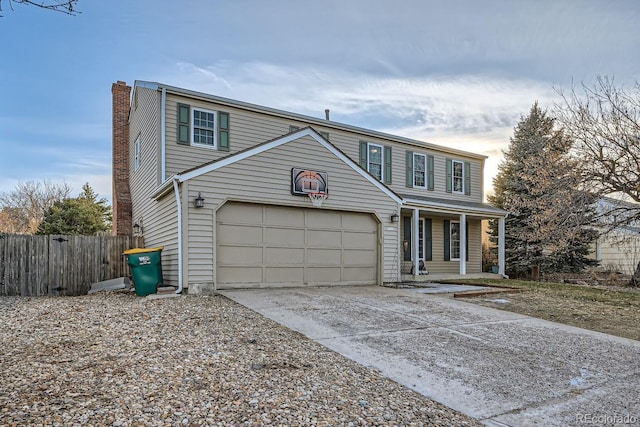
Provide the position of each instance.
(179, 208)
(163, 135)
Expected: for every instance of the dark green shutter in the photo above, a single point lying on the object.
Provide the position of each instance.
(407, 237)
(183, 124)
(449, 173)
(223, 131)
(428, 240)
(467, 241)
(447, 240)
(409, 168)
(363, 155)
(387, 164)
(467, 178)
(430, 173)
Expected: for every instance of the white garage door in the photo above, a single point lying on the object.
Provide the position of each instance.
(263, 245)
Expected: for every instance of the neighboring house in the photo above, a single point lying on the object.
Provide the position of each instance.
(617, 249)
(223, 185)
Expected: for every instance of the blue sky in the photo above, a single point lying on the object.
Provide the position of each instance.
(457, 73)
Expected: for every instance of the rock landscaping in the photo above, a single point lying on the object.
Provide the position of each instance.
(116, 359)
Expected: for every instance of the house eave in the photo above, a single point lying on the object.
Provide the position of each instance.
(164, 189)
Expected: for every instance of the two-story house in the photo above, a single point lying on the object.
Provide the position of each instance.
(225, 187)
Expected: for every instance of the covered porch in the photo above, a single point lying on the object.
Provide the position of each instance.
(441, 239)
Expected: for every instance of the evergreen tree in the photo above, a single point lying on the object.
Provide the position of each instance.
(84, 215)
(538, 183)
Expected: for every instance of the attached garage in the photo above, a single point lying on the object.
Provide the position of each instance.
(267, 245)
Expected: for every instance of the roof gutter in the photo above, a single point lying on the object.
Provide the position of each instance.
(163, 135)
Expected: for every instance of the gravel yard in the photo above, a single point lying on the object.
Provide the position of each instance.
(117, 359)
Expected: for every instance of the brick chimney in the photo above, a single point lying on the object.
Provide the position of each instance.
(121, 223)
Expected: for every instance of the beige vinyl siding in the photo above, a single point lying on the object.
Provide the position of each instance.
(266, 178)
(618, 252)
(248, 128)
(159, 218)
(438, 265)
(349, 143)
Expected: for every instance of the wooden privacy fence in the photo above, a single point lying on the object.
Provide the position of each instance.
(60, 265)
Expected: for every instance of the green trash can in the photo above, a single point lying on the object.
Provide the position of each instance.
(146, 269)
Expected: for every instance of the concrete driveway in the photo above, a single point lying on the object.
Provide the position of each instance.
(499, 367)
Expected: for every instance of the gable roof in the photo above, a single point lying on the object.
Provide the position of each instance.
(307, 119)
(267, 145)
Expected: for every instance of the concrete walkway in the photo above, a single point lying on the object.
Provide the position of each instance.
(499, 367)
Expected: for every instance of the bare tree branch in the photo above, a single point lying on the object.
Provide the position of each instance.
(604, 121)
(63, 6)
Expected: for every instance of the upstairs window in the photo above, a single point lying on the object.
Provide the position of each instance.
(458, 177)
(203, 127)
(376, 159)
(419, 170)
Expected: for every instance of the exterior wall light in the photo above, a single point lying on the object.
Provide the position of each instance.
(394, 217)
(137, 229)
(199, 201)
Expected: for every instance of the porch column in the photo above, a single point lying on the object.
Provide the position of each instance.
(501, 245)
(415, 237)
(463, 243)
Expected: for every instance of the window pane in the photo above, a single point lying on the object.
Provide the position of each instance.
(375, 161)
(458, 181)
(455, 240)
(419, 171)
(376, 170)
(375, 154)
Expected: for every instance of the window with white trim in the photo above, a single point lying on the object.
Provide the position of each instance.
(457, 176)
(203, 127)
(375, 160)
(454, 234)
(136, 159)
(419, 170)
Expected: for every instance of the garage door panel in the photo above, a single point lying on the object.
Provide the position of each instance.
(359, 240)
(359, 257)
(239, 255)
(239, 274)
(359, 274)
(285, 274)
(324, 238)
(284, 236)
(276, 256)
(331, 257)
(246, 213)
(239, 234)
(356, 221)
(324, 274)
(324, 219)
(284, 216)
